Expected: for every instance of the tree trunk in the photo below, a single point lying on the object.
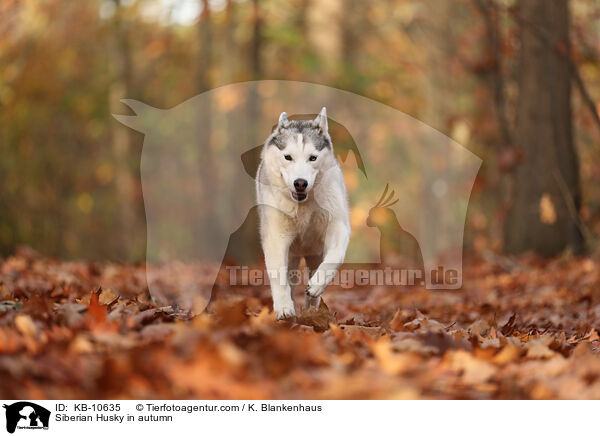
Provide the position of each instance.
(229, 61)
(250, 232)
(205, 47)
(256, 45)
(545, 213)
(122, 87)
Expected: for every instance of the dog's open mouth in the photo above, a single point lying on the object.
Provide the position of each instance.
(299, 196)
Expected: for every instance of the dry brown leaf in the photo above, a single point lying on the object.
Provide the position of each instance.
(351, 329)
(479, 328)
(506, 355)
(95, 309)
(319, 319)
(26, 326)
(392, 363)
(538, 349)
(471, 369)
(231, 312)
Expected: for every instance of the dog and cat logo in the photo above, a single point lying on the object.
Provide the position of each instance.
(25, 415)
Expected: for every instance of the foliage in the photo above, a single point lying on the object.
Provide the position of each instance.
(66, 185)
(521, 328)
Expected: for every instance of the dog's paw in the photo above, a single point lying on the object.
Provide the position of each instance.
(285, 311)
(314, 291)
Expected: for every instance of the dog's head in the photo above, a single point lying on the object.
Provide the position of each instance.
(299, 149)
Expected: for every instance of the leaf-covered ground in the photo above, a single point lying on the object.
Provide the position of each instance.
(519, 329)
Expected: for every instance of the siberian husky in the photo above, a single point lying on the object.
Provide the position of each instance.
(303, 208)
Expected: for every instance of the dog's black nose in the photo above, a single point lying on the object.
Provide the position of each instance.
(300, 184)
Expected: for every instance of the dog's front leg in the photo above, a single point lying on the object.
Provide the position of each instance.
(276, 248)
(336, 243)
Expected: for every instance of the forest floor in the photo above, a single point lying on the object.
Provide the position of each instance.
(522, 328)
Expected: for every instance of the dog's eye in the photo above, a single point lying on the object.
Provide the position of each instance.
(312, 158)
(288, 157)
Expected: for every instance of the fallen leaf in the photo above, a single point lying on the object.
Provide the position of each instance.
(537, 349)
(26, 326)
(319, 319)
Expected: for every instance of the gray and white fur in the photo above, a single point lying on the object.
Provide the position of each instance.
(303, 208)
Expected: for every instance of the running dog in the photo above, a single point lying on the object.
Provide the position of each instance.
(303, 208)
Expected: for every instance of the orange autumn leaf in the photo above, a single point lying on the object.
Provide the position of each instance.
(95, 309)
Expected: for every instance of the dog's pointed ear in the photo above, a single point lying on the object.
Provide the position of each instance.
(283, 121)
(321, 120)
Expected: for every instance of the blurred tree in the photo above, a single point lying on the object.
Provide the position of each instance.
(257, 41)
(229, 60)
(121, 65)
(205, 54)
(545, 214)
(253, 135)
